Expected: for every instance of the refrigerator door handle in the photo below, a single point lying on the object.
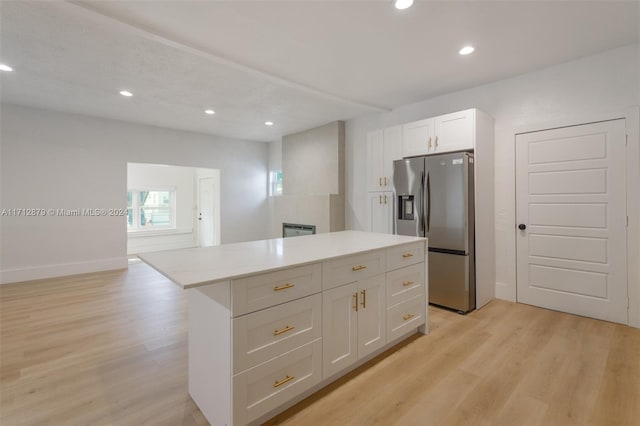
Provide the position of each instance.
(428, 203)
(422, 208)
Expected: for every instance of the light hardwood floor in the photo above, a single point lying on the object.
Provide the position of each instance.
(110, 349)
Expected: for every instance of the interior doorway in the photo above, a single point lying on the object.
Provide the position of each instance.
(208, 213)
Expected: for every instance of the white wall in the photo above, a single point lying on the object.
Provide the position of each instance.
(585, 89)
(180, 179)
(59, 160)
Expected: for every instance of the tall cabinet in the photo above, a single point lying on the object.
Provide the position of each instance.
(383, 147)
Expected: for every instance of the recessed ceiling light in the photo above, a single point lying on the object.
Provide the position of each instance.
(268, 123)
(126, 93)
(209, 111)
(4, 67)
(403, 4)
(466, 50)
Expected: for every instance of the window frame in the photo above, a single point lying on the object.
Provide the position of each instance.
(136, 228)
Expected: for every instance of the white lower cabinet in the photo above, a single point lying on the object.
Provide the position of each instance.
(353, 323)
(260, 342)
(267, 386)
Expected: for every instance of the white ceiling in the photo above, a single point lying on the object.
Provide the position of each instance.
(299, 64)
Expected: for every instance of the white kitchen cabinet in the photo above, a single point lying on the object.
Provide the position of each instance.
(383, 147)
(418, 137)
(444, 133)
(454, 132)
(381, 212)
(353, 323)
(267, 327)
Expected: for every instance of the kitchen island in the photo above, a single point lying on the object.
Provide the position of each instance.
(272, 321)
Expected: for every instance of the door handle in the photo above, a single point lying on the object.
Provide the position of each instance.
(364, 299)
(429, 142)
(436, 141)
(522, 227)
(355, 301)
(428, 202)
(380, 182)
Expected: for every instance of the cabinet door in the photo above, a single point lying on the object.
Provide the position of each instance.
(371, 315)
(375, 161)
(381, 212)
(339, 329)
(392, 152)
(455, 131)
(417, 137)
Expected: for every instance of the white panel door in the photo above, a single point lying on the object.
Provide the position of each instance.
(339, 329)
(371, 315)
(570, 185)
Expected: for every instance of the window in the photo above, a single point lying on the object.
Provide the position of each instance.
(150, 210)
(275, 182)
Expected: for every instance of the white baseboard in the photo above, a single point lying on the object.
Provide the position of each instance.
(505, 291)
(50, 271)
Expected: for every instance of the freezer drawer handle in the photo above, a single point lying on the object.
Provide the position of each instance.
(407, 283)
(408, 317)
(358, 268)
(283, 381)
(283, 287)
(283, 330)
(407, 255)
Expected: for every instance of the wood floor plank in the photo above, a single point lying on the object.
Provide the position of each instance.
(111, 349)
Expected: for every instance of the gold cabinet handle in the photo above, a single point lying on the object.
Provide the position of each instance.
(407, 255)
(407, 283)
(283, 330)
(364, 299)
(429, 142)
(380, 202)
(385, 199)
(283, 287)
(283, 381)
(408, 317)
(355, 301)
(380, 182)
(385, 181)
(358, 268)
(436, 142)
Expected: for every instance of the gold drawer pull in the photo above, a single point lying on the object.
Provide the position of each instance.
(407, 283)
(364, 299)
(407, 255)
(283, 381)
(283, 287)
(358, 268)
(283, 330)
(408, 317)
(355, 301)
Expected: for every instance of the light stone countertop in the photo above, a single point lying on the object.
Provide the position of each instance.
(195, 267)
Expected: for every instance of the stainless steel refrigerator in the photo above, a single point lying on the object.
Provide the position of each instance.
(434, 199)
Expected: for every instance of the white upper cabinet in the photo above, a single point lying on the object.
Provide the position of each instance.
(445, 133)
(392, 152)
(418, 137)
(375, 160)
(455, 131)
(383, 146)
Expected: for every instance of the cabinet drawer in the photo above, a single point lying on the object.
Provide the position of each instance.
(266, 334)
(405, 316)
(270, 289)
(405, 255)
(267, 386)
(352, 268)
(405, 283)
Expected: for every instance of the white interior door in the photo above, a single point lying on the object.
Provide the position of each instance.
(570, 194)
(206, 212)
